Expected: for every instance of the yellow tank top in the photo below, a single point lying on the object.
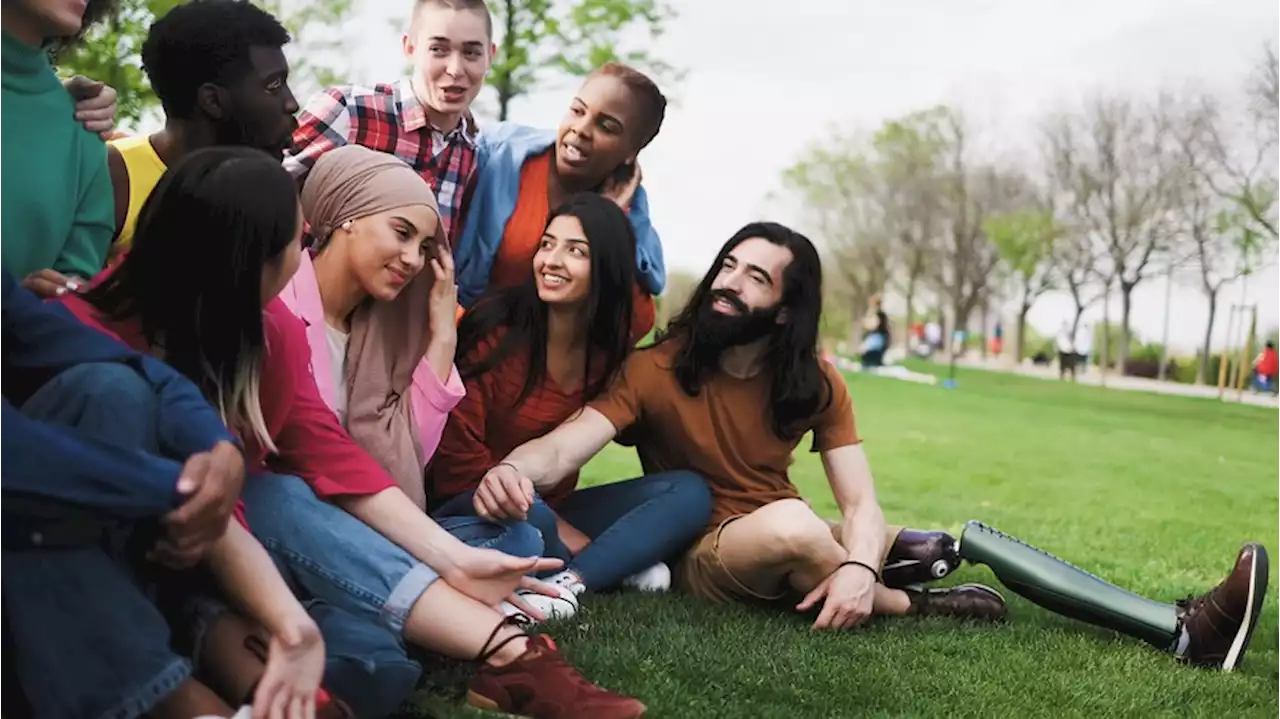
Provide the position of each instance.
(144, 167)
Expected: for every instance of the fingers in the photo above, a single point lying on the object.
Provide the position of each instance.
(516, 601)
(526, 489)
(502, 505)
(279, 705)
(813, 596)
(297, 708)
(483, 502)
(539, 586)
(49, 283)
(546, 564)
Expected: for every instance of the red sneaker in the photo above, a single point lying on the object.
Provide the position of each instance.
(541, 684)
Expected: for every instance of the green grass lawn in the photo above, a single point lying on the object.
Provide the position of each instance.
(1153, 493)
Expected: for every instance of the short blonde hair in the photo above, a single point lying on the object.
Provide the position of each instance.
(479, 6)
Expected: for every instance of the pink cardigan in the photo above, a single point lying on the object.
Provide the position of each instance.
(432, 399)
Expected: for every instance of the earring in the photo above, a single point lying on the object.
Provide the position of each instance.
(347, 225)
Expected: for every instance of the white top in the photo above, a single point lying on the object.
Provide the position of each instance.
(338, 361)
(1065, 344)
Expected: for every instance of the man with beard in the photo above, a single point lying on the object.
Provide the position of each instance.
(219, 69)
(729, 390)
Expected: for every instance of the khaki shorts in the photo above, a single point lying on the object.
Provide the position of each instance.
(702, 574)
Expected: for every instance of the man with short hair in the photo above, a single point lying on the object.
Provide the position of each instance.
(424, 119)
(219, 69)
(729, 390)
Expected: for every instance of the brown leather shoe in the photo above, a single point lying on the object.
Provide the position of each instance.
(967, 601)
(541, 684)
(1220, 623)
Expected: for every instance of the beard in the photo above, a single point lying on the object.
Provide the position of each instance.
(234, 132)
(714, 332)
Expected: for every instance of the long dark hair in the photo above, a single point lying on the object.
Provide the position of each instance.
(523, 315)
(193, 276)
(799, 388)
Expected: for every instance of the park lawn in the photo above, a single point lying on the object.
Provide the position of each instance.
(1154, 493)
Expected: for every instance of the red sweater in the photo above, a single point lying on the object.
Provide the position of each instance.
(311, 443)
(488, 424)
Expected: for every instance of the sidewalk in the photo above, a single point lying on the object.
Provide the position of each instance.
(1114, 381)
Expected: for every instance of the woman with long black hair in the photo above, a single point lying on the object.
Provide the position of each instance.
(352, 537)
(532, 356)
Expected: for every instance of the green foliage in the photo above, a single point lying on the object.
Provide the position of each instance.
(540, 39)
(1024, 238)
(111, 52)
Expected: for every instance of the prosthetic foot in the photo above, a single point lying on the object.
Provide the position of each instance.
(918, 557)
(1067, 590)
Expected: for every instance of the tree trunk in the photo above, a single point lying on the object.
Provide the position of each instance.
(1162, 370)
(1106, 334)
(1202, 370)
(503, 84)
(1126, 305)
(911, 310)
(1020, 344)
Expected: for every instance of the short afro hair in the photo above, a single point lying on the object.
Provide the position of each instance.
(205, 41)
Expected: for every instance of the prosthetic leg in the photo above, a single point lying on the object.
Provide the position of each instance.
(918, 557)
(1067, 590)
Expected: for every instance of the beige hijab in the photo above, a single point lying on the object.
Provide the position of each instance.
(387, 338)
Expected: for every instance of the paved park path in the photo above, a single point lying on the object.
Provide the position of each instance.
(1113, 381)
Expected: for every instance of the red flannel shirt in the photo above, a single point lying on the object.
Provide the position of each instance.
(391, 119)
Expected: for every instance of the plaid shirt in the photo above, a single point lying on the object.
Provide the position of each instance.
(391, 119)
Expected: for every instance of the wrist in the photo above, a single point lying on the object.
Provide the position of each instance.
(860, 565)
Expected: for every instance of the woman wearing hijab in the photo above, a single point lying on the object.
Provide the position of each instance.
(375, 320)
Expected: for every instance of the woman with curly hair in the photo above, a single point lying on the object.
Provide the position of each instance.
(58, 220)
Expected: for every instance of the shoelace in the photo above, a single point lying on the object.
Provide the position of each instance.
(519, 621)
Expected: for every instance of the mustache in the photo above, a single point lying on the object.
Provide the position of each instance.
(729, 297)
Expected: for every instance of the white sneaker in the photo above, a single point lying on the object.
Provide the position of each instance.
(561, 607)
(654, 579)
(568, 580)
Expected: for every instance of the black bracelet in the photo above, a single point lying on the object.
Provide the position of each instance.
(864, 565)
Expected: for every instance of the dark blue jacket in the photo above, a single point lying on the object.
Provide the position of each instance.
(44, 460)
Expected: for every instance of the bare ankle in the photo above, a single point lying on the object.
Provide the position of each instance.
(510, 650)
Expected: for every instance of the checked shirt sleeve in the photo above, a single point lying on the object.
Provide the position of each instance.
(324, 125)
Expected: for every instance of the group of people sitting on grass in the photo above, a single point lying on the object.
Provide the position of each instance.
(296, 397)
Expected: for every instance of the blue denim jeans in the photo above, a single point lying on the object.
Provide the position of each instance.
(632, 524)
(327, 553)
(88, 641)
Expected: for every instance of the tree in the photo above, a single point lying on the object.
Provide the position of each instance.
(966, 259)
(842, 197)
(540, 38)
(908, 156)
(111, 52)
(1114, 164)
(1025, 239)
(1224, 241)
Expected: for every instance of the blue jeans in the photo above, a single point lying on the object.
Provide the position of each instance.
(88, 639)
(632, 524)
(327, 553)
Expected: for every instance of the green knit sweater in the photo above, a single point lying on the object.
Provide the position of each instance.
(56, 210)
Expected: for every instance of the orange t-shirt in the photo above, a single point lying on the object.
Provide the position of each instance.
(724, 433)
(514, 260)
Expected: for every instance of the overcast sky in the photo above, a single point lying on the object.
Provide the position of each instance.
(767, 78)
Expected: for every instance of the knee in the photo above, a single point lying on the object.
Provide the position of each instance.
(521, 539)
(791, 526)
(542, 518)
(112, 384)
(689, 493)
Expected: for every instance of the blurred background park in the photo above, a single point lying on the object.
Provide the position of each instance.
(1040, 176)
